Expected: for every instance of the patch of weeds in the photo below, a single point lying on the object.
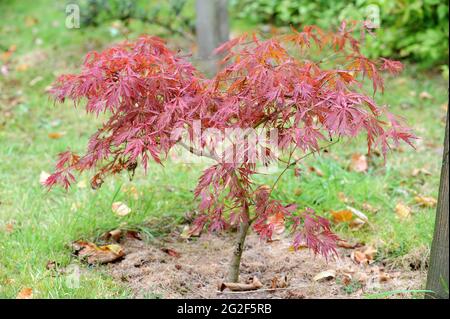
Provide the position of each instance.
(350, 287)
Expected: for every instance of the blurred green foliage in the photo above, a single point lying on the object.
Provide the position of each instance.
(416, 30)
(170, 14)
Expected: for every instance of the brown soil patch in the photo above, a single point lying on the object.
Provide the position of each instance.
(180, 269)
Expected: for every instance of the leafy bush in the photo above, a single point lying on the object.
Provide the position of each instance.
(416, 29)
(170, 15)
(152, 96)
(95, 12)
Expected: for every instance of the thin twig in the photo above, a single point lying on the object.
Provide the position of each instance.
(259, 290)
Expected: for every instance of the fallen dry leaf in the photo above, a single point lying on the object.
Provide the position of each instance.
(120, 209)
(425, 95)
(402, 210)
(9, 228)
(357, 224)
(363, 255)
(347, 245)
(361, 278)
(25, 293)
(51, 265)
(358, 213)
(313, 169)
(346, 278)
(5, 56)
(118, 234)
(358, 163)
(359, 257)
(253, 284)
(277, 282)
(342, 215)
(370, 208)
(22, 67)
(419, 171)
(115, 234)
(131, 190)
(190, 232)
(97, 254)
(343, 198)
(325, 275)
(370, 252)
(56, 135)
(384, 277)
(171, 252)
(425, 201)
(30, 21)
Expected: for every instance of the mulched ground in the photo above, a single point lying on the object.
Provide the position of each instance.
(180, 268)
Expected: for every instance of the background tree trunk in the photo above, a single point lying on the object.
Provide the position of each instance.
(437, 280)
(212, 29)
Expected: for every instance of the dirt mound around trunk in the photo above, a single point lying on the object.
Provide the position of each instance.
(195, 269)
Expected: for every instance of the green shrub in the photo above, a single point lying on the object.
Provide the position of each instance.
(172, 15)
(416, 30)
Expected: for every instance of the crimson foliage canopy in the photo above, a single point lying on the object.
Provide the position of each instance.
(149, 92)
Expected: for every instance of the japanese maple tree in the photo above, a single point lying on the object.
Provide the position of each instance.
(285, 83)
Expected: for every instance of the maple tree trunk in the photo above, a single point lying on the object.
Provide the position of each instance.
(212, 29)
(233, 275)
(437, 280)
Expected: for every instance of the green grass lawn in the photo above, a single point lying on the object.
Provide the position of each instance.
(37, 226)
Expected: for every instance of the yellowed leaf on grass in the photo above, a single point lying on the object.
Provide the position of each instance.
(5, 56)
(340, 216)
(419, 171)
(369, 208)
(120, 209)
(313, 169)
(30, 21)
(25, 293)
(402, 210)
(358, 213)
(9, 228)
(357, 224)
(131, 190)
(425, 201)
(359, 163)
(56, 135)
(43, 177)
(425, 95)
(22, 67)
(343, 198)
